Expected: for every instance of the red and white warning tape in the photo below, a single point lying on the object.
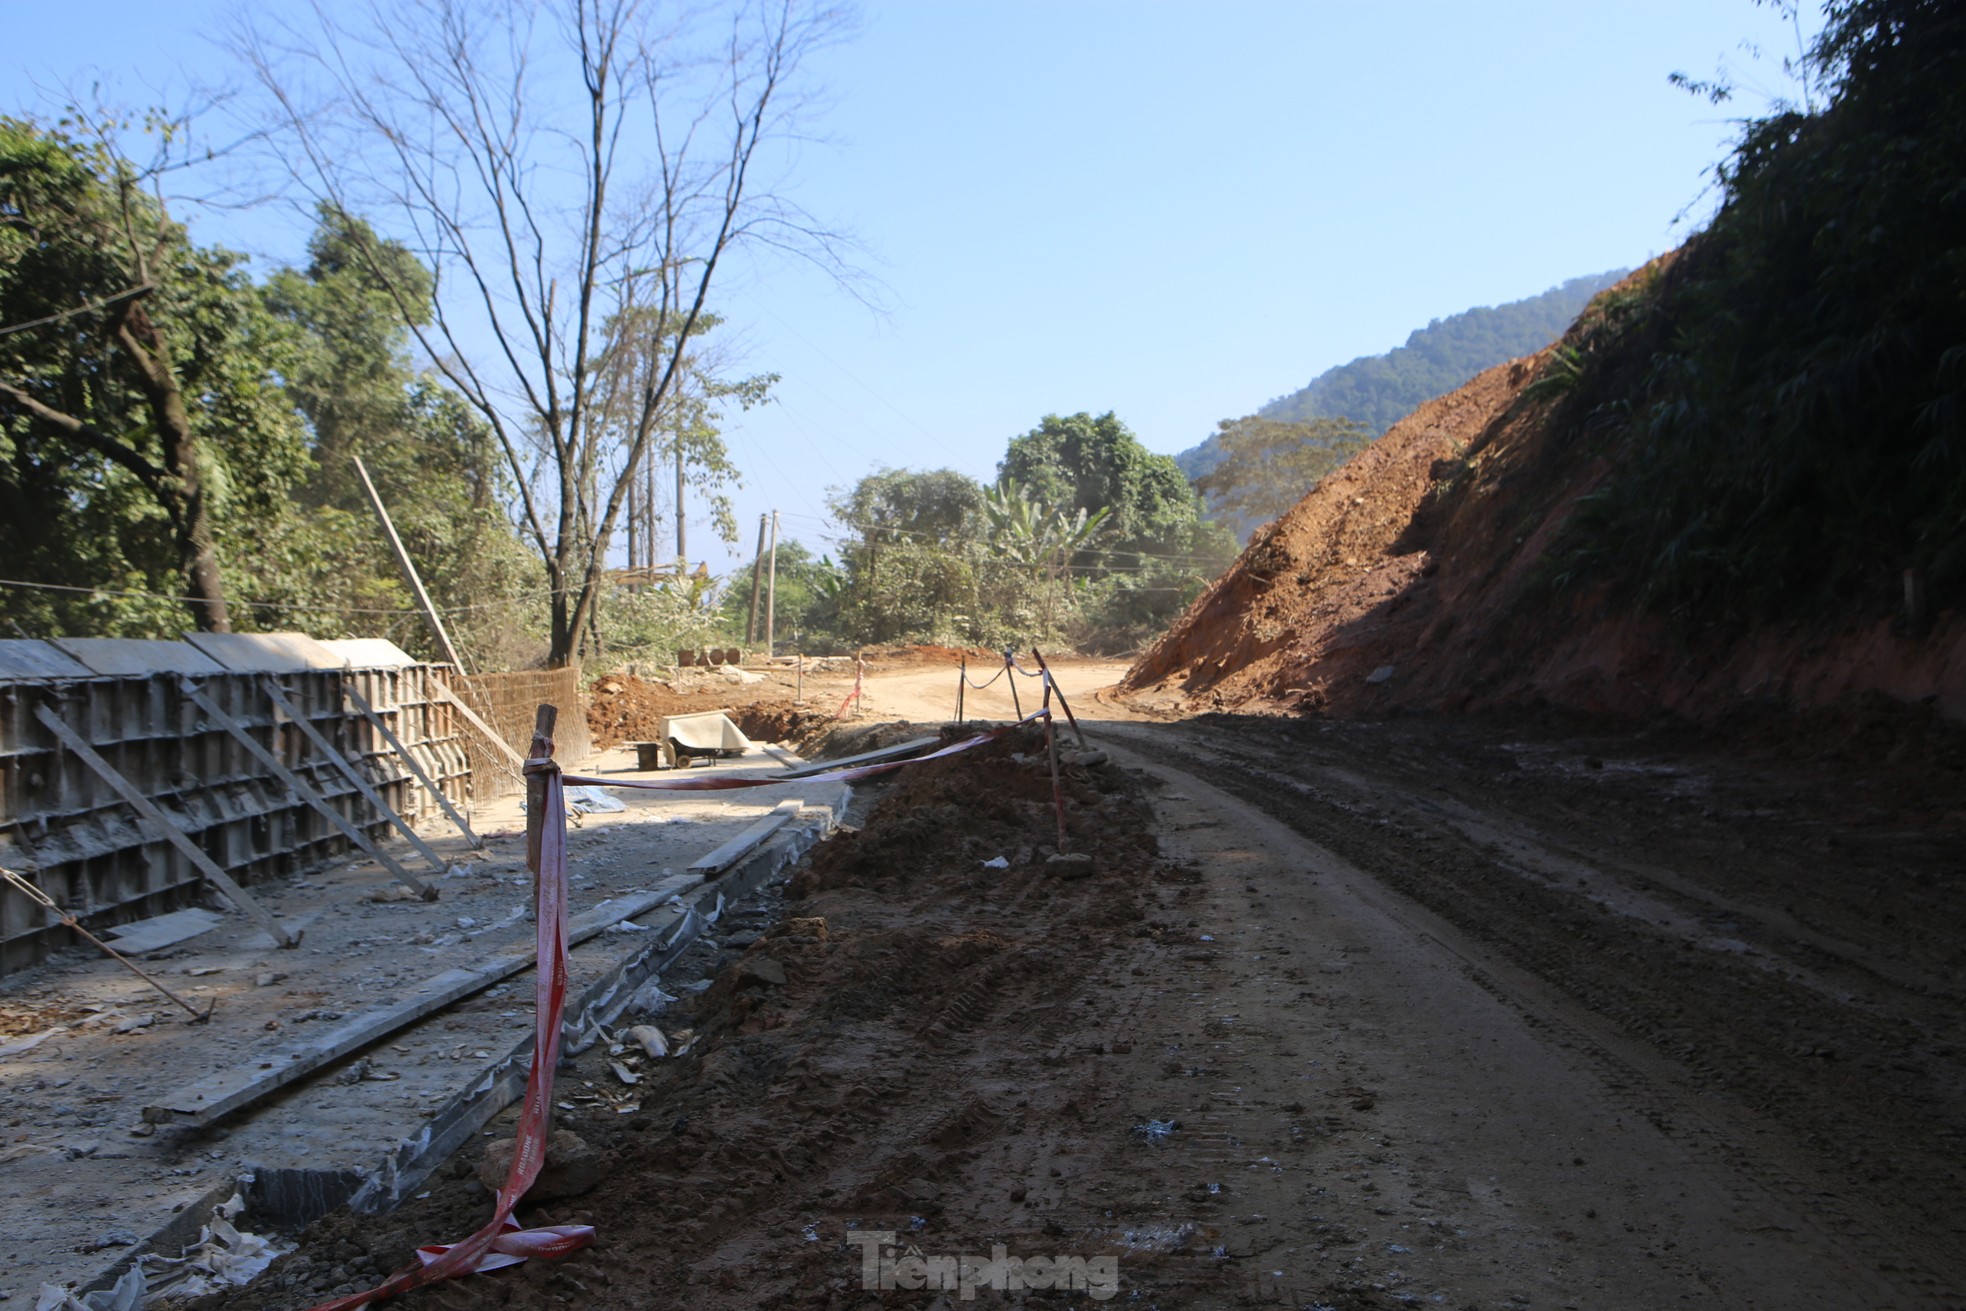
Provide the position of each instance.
(715, 784)
(502, 1242)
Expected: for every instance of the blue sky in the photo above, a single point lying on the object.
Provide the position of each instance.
(1175, 211)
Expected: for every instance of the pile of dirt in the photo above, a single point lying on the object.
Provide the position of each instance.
(781, 721)
(846, 1072)
(1424, 574)
(625, 708)
(1314, 604)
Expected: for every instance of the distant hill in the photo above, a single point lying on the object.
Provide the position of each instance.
(1380, 390)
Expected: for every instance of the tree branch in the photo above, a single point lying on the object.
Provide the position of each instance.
(87, 435)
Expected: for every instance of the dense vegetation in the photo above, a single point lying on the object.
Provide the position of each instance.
(1781, 407)
(1378, 391)
(208, 423)
(1086, 536)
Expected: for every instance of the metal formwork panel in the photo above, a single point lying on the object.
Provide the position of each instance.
(85, 846)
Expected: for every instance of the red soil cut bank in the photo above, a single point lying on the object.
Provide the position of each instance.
(1416, 578)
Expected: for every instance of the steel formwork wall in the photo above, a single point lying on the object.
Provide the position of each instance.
(87, 848)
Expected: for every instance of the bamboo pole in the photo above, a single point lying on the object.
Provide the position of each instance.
(410, 575)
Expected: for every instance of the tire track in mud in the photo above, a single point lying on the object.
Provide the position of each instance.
(1501, 910)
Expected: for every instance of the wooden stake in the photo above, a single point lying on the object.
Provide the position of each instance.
(962, 682)
(410, 575)
(349, 772)
(416, 767)
(757, 585)
(545, 719)
(1051, 684)
(1010, 676)
(306, 793)
(1057, 784)
(771, 592)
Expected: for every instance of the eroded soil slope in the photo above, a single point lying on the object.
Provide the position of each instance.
(1431, 573)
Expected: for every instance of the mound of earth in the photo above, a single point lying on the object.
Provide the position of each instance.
(1320, 597)
(1423, 575)
(902, 1051)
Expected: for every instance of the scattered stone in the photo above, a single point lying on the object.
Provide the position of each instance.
(1069, 864)
(650, 999)
(1379, 675)
(572, 1167)
(269, 978)
(649, 1038)
(742, 938)
(760, 971)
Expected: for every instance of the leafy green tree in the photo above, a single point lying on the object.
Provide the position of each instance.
(1269, 465)
(1080, 462)
(432, 459)
(1783, 408)
(1158, 548)
(1040, 539)
(139, 409)
(811, 593)
(913, 561)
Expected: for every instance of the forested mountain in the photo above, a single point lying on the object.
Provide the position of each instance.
(1379, 390)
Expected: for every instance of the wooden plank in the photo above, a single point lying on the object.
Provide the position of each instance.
(161, 931)
(304, 791)
(163, 827)
(716, 862)
(782, 756)
(416, 768)
(895, 752)
(349, 772)
(485, 730)
(219, 1094)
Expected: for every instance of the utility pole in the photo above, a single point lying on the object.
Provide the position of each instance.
(757, 569)
(682, 546)
(634, 557)
(648, 510)
(771, 588)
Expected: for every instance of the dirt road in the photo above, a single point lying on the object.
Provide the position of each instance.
(1419, 1013)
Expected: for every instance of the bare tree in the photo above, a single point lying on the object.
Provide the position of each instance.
(574, 172)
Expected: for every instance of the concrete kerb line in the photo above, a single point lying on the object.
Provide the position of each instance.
(296, 1197)
(410, 1163)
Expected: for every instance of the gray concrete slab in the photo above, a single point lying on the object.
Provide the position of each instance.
(125, 657)
(377, 1121)
(266, 653)
(24, 658)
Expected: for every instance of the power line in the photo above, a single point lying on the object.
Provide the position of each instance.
(1091, 550)
(304, 606)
